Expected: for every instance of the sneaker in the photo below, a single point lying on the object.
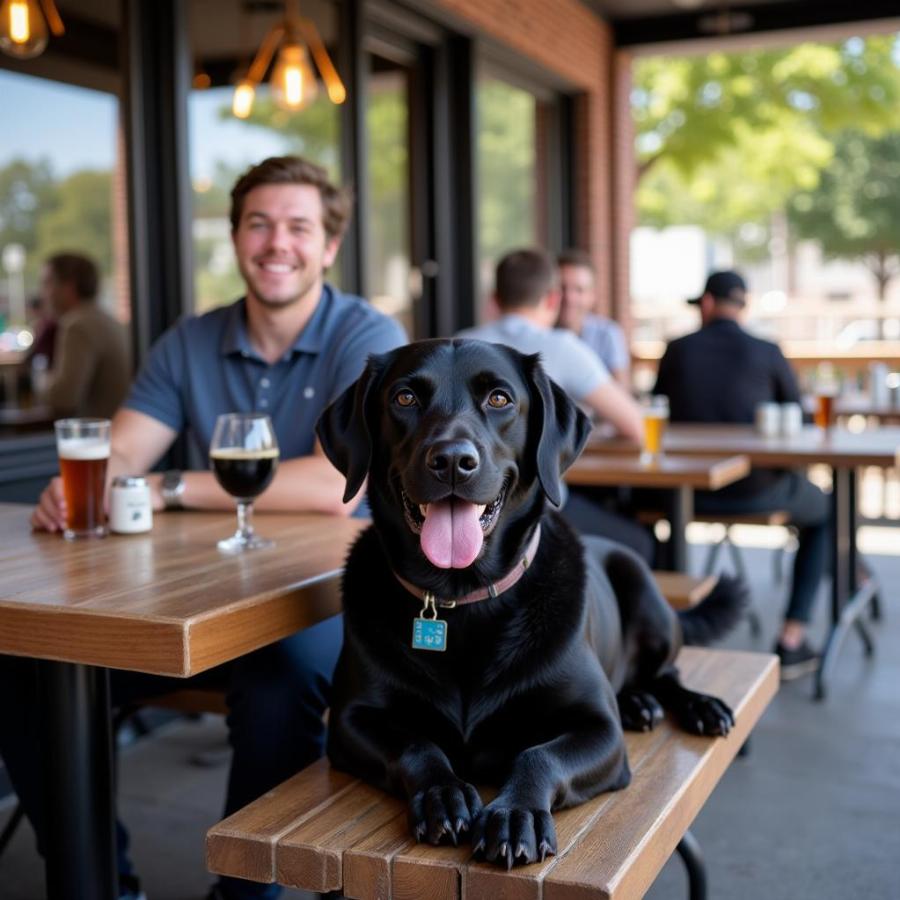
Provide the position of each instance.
(797, 661)
(130, 888)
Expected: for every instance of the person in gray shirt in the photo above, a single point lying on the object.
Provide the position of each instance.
(527, 295)
(528, 298)
(576, 313)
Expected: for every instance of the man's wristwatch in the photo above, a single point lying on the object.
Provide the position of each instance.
(172, 489)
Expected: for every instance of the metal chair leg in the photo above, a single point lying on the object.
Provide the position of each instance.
(690, 853)
(10, 828)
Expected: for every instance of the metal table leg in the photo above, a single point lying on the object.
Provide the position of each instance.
(680, 513)
(692, 856)
(848, 602)
(78, 773)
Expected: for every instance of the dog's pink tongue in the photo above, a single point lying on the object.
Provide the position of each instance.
(451, 535)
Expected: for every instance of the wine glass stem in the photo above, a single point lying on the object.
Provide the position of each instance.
(245, 518)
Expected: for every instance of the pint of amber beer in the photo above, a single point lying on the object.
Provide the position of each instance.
(83, 448)
(824, 415)
(656, 415)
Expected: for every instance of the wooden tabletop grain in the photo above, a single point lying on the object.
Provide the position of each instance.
(668, 471)
(837, 447)
(167, 602)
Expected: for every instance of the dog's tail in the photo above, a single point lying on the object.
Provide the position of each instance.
(718, 614)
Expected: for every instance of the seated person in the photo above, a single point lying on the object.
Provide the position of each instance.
(91, 363)
(290, 346)
(527, 296)
(719, 374)
(576, 312)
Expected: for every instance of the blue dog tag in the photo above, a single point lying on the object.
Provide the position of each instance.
(429, 634)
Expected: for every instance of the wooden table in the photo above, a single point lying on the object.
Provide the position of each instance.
(843, 452)
(861, 405)
(166, 603)
(680, 476)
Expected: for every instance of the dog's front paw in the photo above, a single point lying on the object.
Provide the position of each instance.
(443, 812)
(704, 714)
(509, 835)
(639, 711)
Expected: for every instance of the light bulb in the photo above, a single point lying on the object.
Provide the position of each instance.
(242, 102)
(23, 29)
(293, 82)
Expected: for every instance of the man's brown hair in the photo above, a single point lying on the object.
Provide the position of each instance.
(574, 257)
(77, 270)
(337, 203)
(523, 278)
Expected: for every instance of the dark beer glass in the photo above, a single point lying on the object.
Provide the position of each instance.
(244, 456)
(83, 449)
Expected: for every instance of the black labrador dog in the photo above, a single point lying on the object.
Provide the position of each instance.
(484, 641)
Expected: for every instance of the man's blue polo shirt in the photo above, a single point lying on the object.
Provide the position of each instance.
(205, 366)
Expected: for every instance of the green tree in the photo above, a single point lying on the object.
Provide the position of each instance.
(28, 191)
(82, 219)
(854, 212)
(729, 138)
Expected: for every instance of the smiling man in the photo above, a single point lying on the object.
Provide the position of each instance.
(288, 348)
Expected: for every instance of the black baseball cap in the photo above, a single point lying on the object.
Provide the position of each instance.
(725, 285)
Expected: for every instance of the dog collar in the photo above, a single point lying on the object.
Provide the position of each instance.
(491, 590)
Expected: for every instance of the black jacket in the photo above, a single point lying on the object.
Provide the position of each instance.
(719, 374)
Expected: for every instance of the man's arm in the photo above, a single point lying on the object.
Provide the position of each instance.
(303, 484)
(615, 405)
(786, 389)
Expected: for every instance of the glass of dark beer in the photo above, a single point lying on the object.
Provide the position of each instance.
(244, 456)
(83, 449)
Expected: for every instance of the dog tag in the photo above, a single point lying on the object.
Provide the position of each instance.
(429, 633)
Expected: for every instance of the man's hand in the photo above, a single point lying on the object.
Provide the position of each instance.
(154, 482)
(50, 513)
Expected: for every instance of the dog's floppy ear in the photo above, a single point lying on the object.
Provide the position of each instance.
(345, 428)
(560, 426)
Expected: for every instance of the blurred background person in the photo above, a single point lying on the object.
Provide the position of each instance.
(577, 313)
(720, 374)
(91, 368)
(528, 297)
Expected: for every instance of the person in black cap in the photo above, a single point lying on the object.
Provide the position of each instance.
(720, 374)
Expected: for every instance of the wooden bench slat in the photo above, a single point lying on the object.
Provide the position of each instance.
(311, 855)
(683, 591)
(244, 844)
(623, 857)
(322, 830)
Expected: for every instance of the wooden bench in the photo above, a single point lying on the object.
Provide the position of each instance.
(682, 591)
(323, 830)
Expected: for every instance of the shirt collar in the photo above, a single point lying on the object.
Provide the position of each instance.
(235, 339)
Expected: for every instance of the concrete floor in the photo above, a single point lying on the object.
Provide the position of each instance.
(812, 814)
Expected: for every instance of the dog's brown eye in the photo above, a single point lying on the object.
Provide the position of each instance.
(498, 400)
(405, 399)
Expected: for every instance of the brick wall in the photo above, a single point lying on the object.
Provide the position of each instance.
(566, 38)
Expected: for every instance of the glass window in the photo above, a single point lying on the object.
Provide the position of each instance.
(223, 146)
(387, 118)
(507, 174)
(60, 190)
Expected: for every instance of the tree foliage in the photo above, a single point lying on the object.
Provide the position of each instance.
(728, 138)
(854, 211)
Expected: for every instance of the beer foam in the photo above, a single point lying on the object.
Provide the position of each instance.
(82, 448)
(241, 453)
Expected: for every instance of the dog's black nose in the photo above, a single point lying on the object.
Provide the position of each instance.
(452, 461)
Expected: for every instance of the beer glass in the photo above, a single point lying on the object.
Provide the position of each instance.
(824, 414)
(244, 456)
(83, 449)
(656, 415)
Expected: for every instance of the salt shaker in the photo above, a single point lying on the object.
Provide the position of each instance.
(768, 419)
(791, 419)
(130, 511)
